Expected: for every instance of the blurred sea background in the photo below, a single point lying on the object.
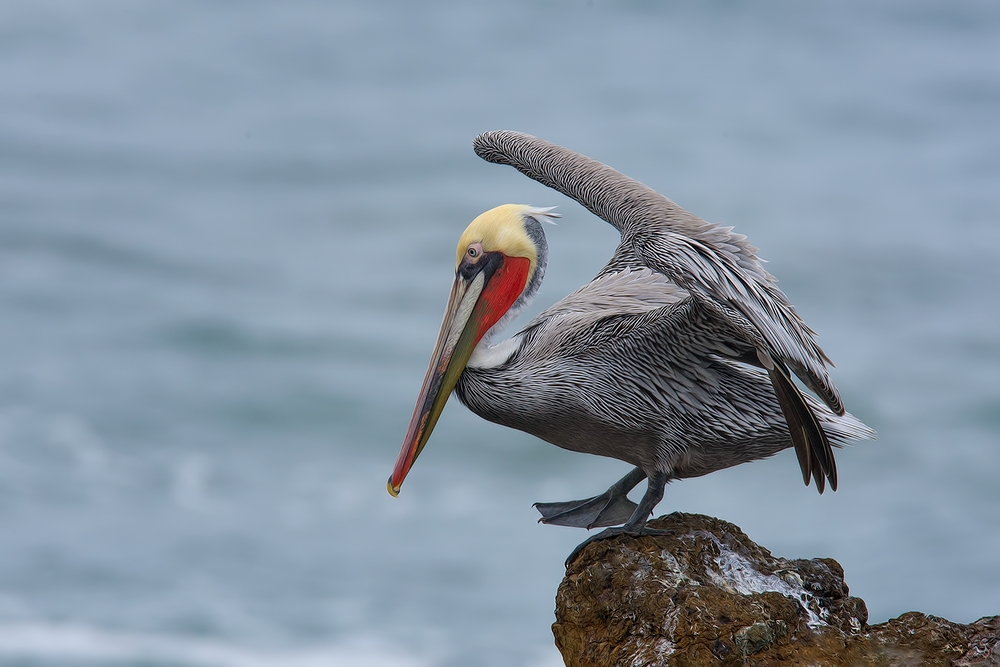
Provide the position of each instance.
(227, 234)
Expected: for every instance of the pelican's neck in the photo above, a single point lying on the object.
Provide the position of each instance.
(491, 356)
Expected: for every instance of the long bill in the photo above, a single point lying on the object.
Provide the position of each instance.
(460, 332)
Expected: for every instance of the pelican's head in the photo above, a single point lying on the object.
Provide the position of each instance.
(499, 265)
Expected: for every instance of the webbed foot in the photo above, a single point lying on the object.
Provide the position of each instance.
(607, 509)
(611, 508)
(636, 525)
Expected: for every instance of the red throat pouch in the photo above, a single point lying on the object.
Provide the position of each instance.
(502, 291)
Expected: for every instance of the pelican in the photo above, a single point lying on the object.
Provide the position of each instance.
(678, 358)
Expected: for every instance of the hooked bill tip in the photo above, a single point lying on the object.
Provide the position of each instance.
(393, 490)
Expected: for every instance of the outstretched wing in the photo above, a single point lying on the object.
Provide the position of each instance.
(711, 262)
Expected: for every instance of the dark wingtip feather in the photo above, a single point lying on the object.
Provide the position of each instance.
(812, 447)
(801, 452)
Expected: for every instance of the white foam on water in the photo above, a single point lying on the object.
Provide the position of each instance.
(83, 644)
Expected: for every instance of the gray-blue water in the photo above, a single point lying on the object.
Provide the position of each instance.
(227, 232)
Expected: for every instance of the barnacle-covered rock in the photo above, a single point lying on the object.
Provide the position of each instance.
(705, 594)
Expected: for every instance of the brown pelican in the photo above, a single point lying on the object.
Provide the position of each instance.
(677, 358)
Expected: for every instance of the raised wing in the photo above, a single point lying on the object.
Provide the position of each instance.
(708, 260)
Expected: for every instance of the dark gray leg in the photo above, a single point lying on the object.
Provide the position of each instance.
(652, 497)
(636, 525)
(611, 508)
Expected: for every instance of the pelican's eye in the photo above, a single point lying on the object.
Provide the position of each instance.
(474, 252)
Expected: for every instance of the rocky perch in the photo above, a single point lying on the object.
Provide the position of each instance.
(707, 595)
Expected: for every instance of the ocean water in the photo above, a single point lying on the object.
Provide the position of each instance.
(226, 239)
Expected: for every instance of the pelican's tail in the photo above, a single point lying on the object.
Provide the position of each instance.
(841, 428)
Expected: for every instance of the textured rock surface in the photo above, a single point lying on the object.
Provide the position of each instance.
(707, 595)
